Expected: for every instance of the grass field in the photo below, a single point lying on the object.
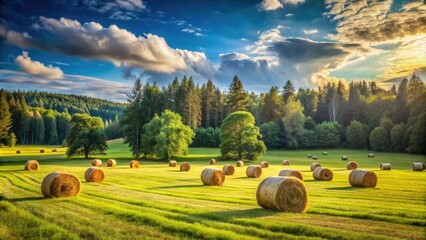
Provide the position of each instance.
(158, 202)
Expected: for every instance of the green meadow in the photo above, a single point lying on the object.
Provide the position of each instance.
(158, 202)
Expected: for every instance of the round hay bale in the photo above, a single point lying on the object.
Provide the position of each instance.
(315, 165)
(254, 171)
(352, 165)
(228, 169)
(41, 150)
(172, 163)
(111, 163)
(286, 163)
(54, 150)
(32, 165)
(363, 178)
(284, 194)
(309, 155)
(416, 166)
(371, 155)
(185, 167)
(96, 163)
(324, 153)
(291, 173)
(60, 184)
(344, 157)
(385, 166)
(212, 177)
(18, 151)
(323, 174)
(240, 163)
(212, 161)
(264, 164)
(314, 157)
(134, 164)
(94, 174)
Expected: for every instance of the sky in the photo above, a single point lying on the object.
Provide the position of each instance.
(98, 48)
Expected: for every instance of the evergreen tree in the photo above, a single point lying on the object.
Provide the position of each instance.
(401, 109)
(11, 140)
(207, 97)
(288, 92)
(271, 110)
(38, 128)
(5, 116)
(237, 98)
(51, 132)
(309, 100)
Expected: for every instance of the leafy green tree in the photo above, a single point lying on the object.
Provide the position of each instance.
(80, 123)
(239, 137)
(379, 140)
(5, 116)
(62, 125)
(271, 134)
(417, 142)
(88, 142)
(294, 121)
(327, 135)
(237, 97)
(271, 110)
(207, 137)
(397, 138)
(166, 136)
(309, 100)
(11, 140)
(356, 136)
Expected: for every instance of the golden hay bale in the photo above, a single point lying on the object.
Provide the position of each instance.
(291, 173)
(41, 150)
(371, 155)
(172, 163)
(264, 164)
(54, 150)
(344, 157)
(285, 194)
(212, 161)
(212, 177)
(315, 165)
(286, 163)
(352, 165)
(324, 153)
(240, 163)
(96, 163)
(111, 163)
(416, 166)
(60, 184)
(185, 167)
(94, 174)
(323, 174)
(228, 169)
(314, 157)
(385, 166)
(18, 151)
(134, 164)
(32, 165)
(309, 155)
(363, 178)
(254, 171)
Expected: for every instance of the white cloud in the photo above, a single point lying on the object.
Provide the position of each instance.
(289, 15)
(270, 5)
(265, 40)
(310, 31)
(37, 68)
(188, 30)
(118, 9)
(294, 2)
(233, 56)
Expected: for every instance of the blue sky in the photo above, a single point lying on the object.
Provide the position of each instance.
(98, 48)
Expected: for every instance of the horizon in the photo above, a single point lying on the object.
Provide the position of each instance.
(98, 49)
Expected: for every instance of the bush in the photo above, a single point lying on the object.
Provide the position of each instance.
(379, 139)
(397, 138)
(270, 134)
(206, 137)
(356, 136)
(308, 139)
(11, 140)
(327, 135)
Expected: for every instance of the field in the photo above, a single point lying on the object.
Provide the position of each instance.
(158, 202)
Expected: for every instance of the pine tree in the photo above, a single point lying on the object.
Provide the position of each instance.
(401, 108)
(288, 92)
(5, 116)
(38, 128)
(207, 92)
(51, 132)
(192, 110)
(271, 110)
(237, 97)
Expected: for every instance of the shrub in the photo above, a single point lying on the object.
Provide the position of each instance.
(379, 140)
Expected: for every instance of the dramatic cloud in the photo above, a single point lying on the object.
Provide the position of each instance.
(91, 40)
(37, 68)
(371, 22)
(266, 40)
(310, 31)
(117, 10)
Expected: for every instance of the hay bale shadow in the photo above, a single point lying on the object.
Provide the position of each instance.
(345, 188)
(25, 199)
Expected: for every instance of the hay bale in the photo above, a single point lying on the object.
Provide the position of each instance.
(285, 194)
(185, 167)
(240, 163)
(172, 163)
(344, 157)
(291, 173)
(60, 184)
(264, 164)
(134, 164)
(18, 151)
(309, 155)
(96, 163)
(254, 171)
(212, 177)
(212, 161)
(228, 169)
(111, 163)
(323, 174)
(286, 163)
(41, 150)
(324, 153)
(352, 165)
(32, 165)
(416, 166)
(94, 174)
(314, 157)
(363, 178)
(371, 155)
(385, 166)
(54, 150)
(315, 165)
